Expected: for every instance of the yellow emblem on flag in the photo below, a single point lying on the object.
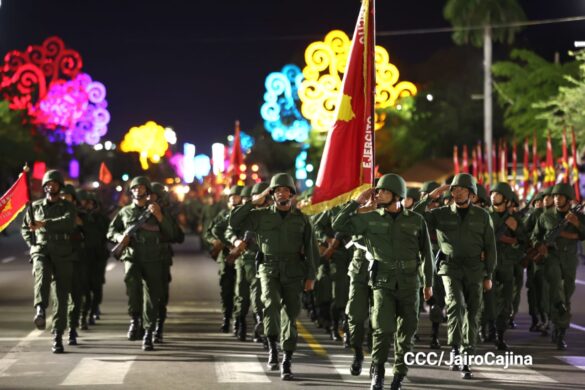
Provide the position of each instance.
(8, 205)
(345, 112)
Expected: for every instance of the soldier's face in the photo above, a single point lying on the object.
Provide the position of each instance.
(52, 187)
(548, 201)
(497, 198)
(138, 191)
(538, 204)
(460, 195)
(384, 197)
(560, 201)
(408, 202)
(282, 196)
(234, 200)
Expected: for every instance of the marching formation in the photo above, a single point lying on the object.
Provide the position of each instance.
(363, 270)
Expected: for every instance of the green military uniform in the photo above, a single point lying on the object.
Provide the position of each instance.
(290, 251)
(396, 243)
(142, 263)
(499, 301)
(323, 290)
(52, 256)
(166, 256)
(560, 266)
(518, 269)
(467, 243)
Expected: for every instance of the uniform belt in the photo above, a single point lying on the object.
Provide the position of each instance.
(283, 257)
(56, 236)
(142, 241)
(399, 264)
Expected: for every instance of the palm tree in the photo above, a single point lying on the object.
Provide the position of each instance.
(467, 16)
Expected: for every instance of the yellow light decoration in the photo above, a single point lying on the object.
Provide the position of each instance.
(148, 140)
(326, 61)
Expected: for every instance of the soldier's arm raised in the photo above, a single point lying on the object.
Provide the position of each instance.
(241, 218)
(347, 221)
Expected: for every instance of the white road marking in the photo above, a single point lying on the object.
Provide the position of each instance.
(240, 372)
(104, 370)
(582, 283)
(12, 356)
(518, 375)
(111, 265)
(7, 260)
(578, 327)
(575, 361)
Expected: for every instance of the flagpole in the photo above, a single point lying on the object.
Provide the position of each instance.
(373, 95)
(29, 210)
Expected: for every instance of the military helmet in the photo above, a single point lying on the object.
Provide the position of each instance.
(159, 189)
(483, 195)
(504, 189)
(138, 180)
(69, 190)
(547, 192)
(283, 180)
(236, 190)
(394, 183)
(464, 180)
(247, 191)
(413, 193)
(537, 197)
(259, 188)
(82, 194)
(53, 175)
(564, 189)
(515, 199)
(429, 186)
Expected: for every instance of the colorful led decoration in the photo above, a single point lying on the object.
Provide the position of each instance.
(26, 77)
(326, 61)
(246, 141)
(202, 166)
(282, 118)
(218, 158)
(76, 109)
(148, 140)
(188, 162)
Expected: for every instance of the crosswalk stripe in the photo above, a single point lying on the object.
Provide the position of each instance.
(575, 361)
(310, 340)
(581, 282)
(7, 260)
(516, 375)
(111, 265)
(342, 364)
(240, 372)
(105, 370)
(578, 327)
(12, 355)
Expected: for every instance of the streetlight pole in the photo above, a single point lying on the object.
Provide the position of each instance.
(487, 96)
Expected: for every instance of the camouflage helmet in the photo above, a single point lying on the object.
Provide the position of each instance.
(483, 195)
(82, 194)
(464, 180)
(429, 186)
(413, 193)
(53, 175)
(564, 189)
(159, 189)
(68, 189)
(247, 192)
(283, 180)
(141, 180)
(504, 189)
(236, 190)
(259, 188)
(394, 183)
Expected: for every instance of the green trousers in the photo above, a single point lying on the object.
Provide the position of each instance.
(79, 288)
(394, 311)
(227, 286)
(503, 290)
(463, 300)
(340, 284)
(144, 289)
(542, 291)
(248, 290)
(561, 273)
(96, 265)
(518, 281)
(45, 270)
(358, 304)
(166, 284)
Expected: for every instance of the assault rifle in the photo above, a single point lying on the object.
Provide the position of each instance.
(237, 251)
(118, 249)
(534, 254)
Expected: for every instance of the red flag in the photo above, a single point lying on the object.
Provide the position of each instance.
(474, 163)
(494, 166)
(565, 161)
(465, 160)
(350, 142)
(237, 156)
(525, 171)
(480, 168)
(39, 169)
(535, 181)
(14, 201)
(549, 170)
(514, 164)
(574, 170)
(105, 174)
(455, 159)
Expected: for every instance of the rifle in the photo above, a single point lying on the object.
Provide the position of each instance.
(549, 241)
(237, 251)
(118, 249)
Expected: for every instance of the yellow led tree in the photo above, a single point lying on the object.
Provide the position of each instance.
(148, 140)
(326, 61)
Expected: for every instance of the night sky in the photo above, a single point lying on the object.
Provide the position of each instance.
(199, 65)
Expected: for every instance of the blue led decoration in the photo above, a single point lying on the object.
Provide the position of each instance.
(282, 118)
(246, 141)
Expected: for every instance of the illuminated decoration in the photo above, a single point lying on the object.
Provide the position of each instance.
(246, 141)
(77, 109)
(188, 162)
(39, 169)
(148, 140)
(218, 158)
(301, 165)
(176, 162)
(326, 62)
(202, 166)
(26, 77)
(171, 136)
(73, 169)
(282, 118)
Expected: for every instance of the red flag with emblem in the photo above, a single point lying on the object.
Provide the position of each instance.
(347, 164)
(14, 201)
(105, 174)
(574, 170)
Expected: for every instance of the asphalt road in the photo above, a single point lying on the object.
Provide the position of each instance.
(196, 356)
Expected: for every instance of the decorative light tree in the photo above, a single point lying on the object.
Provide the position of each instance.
(148, 140)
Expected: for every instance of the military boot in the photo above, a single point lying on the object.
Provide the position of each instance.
(134, 329)
(435, 344)
(285, 369)
(512, 323)
(39, 319)
(500, 343)
(561, 343)
(454, 352)
(225, 325)
(378, 372)
(72, 337)
(147, 341)
(491, 336)
(397, 382)
(58, 342)
(335, 336)
(346, 335)
(91, 319)
(466, 372)
(358, 360)
(534, 325)
(83, 320)
(236, 326)
(272, 354)
(242, 329)
(258, 327)
(158, 331)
